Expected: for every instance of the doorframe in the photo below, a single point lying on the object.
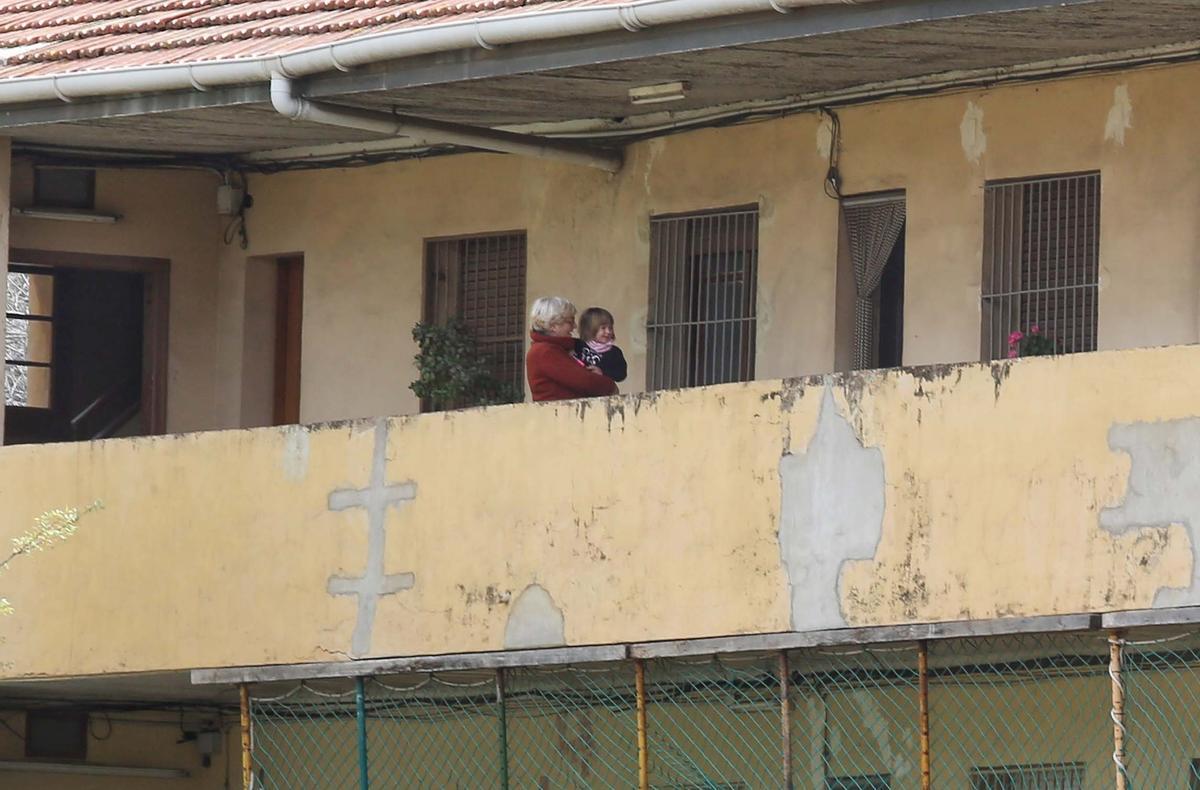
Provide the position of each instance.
(289, 334)
(156, 303)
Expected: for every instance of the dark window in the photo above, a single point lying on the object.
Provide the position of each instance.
(703, 298)
(1041, 261)
(64, 187)
(56, 734)
(481, 280)
(1054, 776)
(874, 230)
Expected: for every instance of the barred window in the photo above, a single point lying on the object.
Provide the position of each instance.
(29, 337)
(481, 280)
(703, 294)
(1054, 776)
(1041, 261)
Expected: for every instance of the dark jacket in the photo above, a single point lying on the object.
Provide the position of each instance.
(611, 362)
(555, 375)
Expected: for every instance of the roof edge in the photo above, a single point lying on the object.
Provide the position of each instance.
(345, 55)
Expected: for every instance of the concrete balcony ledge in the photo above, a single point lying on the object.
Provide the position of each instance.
(1042, 487)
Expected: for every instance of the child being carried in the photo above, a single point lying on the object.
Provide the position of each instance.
(596, 348)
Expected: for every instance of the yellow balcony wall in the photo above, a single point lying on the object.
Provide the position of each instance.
(1051, 485)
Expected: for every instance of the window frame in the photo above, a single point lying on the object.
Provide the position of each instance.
(434, 310)
(41, 271)
(1013, 223)
(690, 269)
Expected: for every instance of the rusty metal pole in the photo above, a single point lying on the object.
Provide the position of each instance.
(923, 712)
(785, 718)
(1115, 644)
(247, 759)
(639, 669)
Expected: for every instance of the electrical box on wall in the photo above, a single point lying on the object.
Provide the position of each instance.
(230, 199)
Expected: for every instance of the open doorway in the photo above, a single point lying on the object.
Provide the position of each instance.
(271, 352)
(85, 347)
(870, 283)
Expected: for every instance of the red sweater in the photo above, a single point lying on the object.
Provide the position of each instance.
(555, 375)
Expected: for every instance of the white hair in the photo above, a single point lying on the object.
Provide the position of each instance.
(550, 310)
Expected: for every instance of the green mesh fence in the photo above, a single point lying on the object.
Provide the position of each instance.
(307, 738)
(572, 727)
(714, 723)
(440, 730)
(1161, 676)
(1021, 713)
(855, 719)
(1005, 713)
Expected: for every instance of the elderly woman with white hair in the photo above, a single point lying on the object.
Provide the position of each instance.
(554, 374)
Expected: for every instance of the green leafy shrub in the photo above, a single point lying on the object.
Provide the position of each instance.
(454, 373)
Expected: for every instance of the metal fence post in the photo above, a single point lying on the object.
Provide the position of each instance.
(247, 758)
(360, 706)
(785, 718)
(502, 710)
(1115, 644)
(923, 712)
(639, 669)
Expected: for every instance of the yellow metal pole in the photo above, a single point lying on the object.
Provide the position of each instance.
(639, 669)
(1118, 707)
(247, 759)
(923, 711)
(785, 718)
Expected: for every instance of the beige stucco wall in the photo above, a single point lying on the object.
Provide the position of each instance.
(361, 231)
(772, 506)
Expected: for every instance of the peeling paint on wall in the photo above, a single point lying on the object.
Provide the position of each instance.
(1120, 116)
(295, 453)
(825, 137)
(1164, 490)
(974, 141)
(534, 621)
(831, 513)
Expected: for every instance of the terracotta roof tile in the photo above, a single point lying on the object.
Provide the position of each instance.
(39, 37)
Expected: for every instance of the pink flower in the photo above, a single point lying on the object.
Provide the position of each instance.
(1015, 337)
(1035, 330)
(1013, 353)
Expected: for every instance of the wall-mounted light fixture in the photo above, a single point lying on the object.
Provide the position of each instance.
(66, 215)
(655, 94)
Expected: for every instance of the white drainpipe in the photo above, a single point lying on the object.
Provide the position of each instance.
(286, 101)
(487, 33)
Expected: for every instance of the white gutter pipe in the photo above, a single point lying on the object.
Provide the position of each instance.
(285, 100)
(486, 33)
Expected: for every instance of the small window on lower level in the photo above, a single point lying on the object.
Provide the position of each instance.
(56, 734)
(1047, 776)
(863, 782)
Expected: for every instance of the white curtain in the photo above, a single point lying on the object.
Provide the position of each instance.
(872, 226)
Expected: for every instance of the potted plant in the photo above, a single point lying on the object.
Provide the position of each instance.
(1029, 344)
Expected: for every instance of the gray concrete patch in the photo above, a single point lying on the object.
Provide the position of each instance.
(1164, 489)
(831, 513)
(534, 621)
(376, 498)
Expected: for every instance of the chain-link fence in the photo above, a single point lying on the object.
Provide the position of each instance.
(1029, 712)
